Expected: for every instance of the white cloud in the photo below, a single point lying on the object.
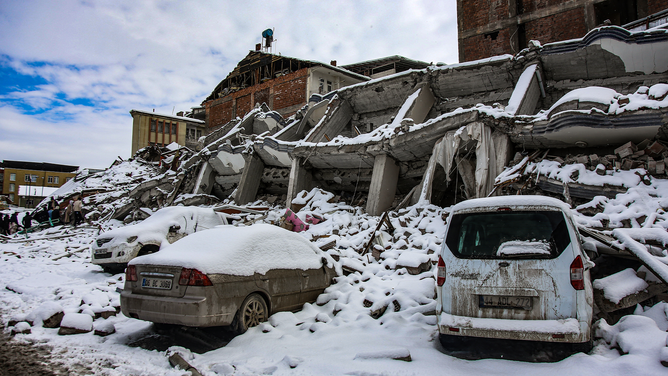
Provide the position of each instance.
(121, 55)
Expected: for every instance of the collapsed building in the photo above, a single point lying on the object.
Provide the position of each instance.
(439, 135)
(444, 133)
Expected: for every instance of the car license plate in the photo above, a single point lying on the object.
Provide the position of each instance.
(156, 283)
(101, 251)
(514, 302)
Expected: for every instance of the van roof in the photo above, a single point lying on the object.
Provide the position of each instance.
(512, 201)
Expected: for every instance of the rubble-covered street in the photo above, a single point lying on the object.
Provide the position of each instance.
(378, 318)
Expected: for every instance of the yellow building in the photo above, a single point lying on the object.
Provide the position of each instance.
(33, 174)
(151, 128)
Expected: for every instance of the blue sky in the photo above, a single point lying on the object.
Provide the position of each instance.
(70, 71)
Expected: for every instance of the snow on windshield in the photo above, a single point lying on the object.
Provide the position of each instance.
(520, 247)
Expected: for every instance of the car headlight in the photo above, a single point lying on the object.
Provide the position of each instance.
(131, 239)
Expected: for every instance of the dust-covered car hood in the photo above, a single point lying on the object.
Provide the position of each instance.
(241, 251)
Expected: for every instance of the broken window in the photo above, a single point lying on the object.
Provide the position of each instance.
(153, 123)
(329, 86)
(173, 128)
(321, 88)
(30, 178)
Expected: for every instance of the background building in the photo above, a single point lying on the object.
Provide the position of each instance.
(282, 83)
(41, 175)
(150, 128)
(495, 27)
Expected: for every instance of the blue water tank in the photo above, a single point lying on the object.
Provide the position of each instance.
(267, 33)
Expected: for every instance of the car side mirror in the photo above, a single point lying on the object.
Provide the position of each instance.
(174, 228)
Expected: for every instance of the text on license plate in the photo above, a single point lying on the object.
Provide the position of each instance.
(495, 301)
(156, 283)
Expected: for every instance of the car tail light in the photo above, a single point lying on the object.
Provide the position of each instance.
(577, 274)
(440, 277)
(131, 273)
(193, 277)
(504, 209)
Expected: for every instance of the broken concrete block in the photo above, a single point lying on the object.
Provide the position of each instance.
(76, 323)
(21, 328)
(54, 320)
(643, 144)
(104, 329)
(582, 159)
(627, 164)
(651, 166)
(660, 168)
(626, 149)
(655, 149)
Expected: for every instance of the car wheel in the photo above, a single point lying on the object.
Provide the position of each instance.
(252, 312)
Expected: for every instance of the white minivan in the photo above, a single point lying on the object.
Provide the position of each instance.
(513, 268)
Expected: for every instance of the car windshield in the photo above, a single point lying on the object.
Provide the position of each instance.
(508, 234)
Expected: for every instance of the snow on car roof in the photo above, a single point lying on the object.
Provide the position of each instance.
(515, 201)
(155, 227)
(238, 251)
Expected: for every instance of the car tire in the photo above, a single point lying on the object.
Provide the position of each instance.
(252, 312)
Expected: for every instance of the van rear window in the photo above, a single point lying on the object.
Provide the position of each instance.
(518, 234)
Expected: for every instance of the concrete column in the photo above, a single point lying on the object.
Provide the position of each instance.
(205, 179)
(383, 184)
(250, 180)
(300, 179)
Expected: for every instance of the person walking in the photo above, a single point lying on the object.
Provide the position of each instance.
(68, 212)
(76, 207)
(27, 221)
(54, 211)
(4, 224)
(13, 223)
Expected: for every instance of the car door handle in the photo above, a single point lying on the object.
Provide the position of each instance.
(304, 274)
(264, 279)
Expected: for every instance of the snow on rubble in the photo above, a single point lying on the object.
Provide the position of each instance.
(377, 318)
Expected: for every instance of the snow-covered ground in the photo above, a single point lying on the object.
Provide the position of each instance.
(359, 326)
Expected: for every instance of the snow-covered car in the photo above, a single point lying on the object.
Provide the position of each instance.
(513, 268)
(113, 249)
(229, 275)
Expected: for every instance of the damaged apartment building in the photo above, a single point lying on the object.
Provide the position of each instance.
(444, 133)
(394, 131)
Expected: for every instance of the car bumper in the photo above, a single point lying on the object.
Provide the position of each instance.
(119, 254)
(559, 331)
(194, 311)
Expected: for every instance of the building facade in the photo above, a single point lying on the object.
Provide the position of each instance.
(494, 27)
(282, 83)
(33, 174)
(151, 128)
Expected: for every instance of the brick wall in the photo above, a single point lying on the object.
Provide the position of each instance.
(281, 94)
(480, 46)
(290, 93)
(654, 6)
(477, 13)
(561, 26)
(244, 105)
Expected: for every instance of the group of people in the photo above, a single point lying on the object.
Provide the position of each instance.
(9, 224)
(72, 213)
